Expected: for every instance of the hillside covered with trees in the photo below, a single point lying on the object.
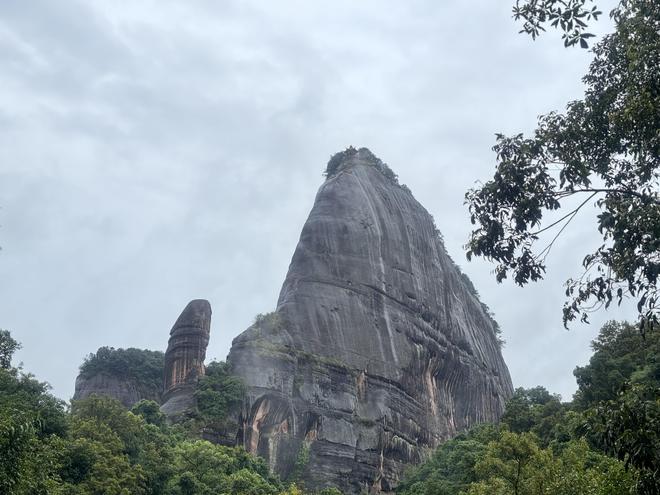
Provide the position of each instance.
(605, 441)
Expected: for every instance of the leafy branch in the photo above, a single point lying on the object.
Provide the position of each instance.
(606, 146)
(571, 16)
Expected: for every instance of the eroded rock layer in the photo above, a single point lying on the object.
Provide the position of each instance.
(184, 358)
(377, 351)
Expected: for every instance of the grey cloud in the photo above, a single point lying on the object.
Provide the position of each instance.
(155, 152)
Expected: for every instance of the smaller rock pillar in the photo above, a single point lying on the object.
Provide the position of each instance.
(184, 358)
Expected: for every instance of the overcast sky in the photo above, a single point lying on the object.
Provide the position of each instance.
(152, 152)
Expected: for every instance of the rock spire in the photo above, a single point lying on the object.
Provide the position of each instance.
(378, 350)
(184, 358)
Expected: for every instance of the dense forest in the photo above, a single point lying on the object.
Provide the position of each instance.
(605, 441)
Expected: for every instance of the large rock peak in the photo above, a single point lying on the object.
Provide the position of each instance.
(378, 349)
(184, 358)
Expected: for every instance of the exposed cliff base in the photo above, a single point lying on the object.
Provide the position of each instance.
(377, 352)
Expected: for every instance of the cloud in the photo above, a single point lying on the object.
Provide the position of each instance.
(155, 152)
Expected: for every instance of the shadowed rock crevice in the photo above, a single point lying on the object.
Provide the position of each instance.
(378, 339)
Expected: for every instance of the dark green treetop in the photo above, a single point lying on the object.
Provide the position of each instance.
(8, 346)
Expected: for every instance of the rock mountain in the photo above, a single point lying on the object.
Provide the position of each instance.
(378, 350)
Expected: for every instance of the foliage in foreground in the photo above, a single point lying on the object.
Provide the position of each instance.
(604, 151)
(99, 447)
(605, 442)
(492, 460)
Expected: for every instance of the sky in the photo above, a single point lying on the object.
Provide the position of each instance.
(154, 152)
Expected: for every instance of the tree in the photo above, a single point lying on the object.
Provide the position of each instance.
(620, 356)
(201, 467)
(515, 464)
(150, 412)
(8, 346)
(16, 433)
(217, 392)
(629, 428)
(620, 391)
(536, 410)
(491, 461)
(511, 461)
(30, 420)
(141, 366)
(451, 468)
(603, 151)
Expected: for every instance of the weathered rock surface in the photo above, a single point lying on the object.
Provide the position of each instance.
(126, 390)
(184, 358)
(377, 351)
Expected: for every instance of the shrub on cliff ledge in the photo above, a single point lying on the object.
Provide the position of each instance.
(218, 392)
(336, 160)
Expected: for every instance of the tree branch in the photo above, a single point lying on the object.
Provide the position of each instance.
(621, 191)
(565, 216)
(546, 250)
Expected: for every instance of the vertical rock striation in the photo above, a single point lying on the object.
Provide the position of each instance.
(184, 358)
(377, 352)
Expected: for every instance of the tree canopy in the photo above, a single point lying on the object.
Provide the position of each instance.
(217, 392)
(619, 394)
(603, 151)
(621, 355)
(8, 346)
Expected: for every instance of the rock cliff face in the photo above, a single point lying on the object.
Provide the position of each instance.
(184, 358)
(126, 390)
(377, 351)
